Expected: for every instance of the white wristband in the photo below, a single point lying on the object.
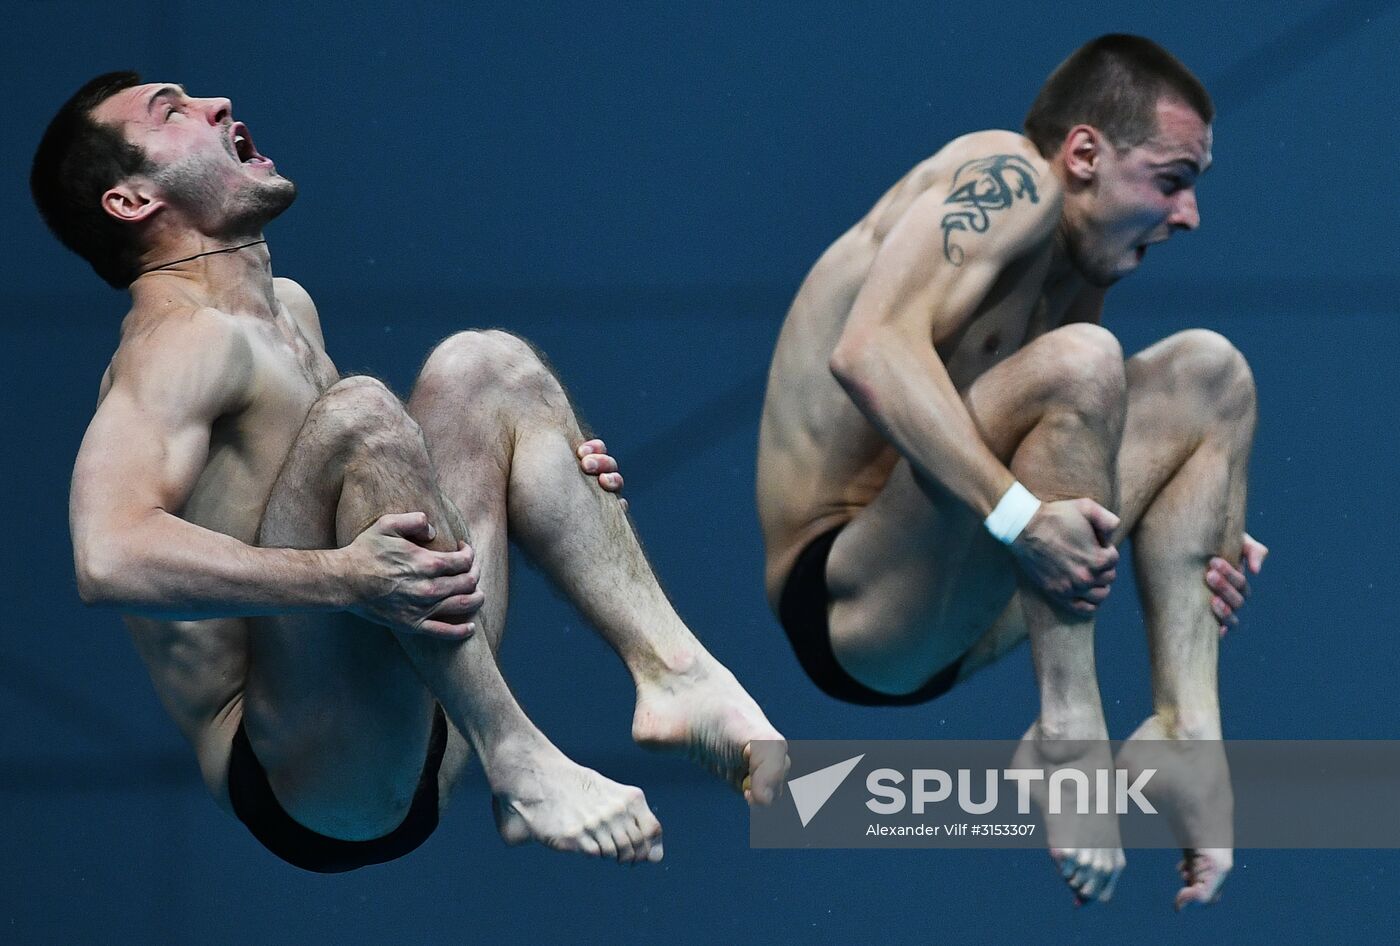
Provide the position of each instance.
(1015, 509)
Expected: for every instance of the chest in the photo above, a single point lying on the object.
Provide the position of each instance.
(291, 373)
(995, 332)
(1014, 312)
(247, 449)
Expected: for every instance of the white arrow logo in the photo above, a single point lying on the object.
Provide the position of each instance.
(813, 790)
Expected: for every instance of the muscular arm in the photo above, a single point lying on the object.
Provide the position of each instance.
(933, 270)
(140, 459)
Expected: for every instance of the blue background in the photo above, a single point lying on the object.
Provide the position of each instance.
(639, 188)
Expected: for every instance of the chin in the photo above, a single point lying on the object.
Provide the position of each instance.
(1093, 268)
(1101, 277)
(286, 195)
(267, 201)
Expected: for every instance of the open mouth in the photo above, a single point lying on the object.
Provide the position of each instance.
(1141, 249)
(243, 147)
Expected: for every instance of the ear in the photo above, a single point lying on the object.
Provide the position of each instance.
(1082, 151)
(132, 202)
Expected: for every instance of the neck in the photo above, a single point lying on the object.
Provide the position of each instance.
(1063, 279)
(228, 279)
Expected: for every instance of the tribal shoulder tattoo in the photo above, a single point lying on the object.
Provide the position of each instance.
(980, 186)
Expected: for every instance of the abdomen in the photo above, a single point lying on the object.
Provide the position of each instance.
(819, 459)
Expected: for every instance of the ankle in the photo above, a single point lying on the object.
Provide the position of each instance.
(1069, 725)
(661, 664)
(1187, 723)
(508, 751)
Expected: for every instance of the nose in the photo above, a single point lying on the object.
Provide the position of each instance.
(1186, 215)
(218, 110)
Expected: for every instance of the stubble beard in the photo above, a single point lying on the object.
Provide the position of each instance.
(265, 201)
(241, 209)
(1096, 272)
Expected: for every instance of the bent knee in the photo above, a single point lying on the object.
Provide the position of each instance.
(359, 406)
(1211, 360)
(357, 394)
(1083, 367)
(486, 360)
(1205, 365)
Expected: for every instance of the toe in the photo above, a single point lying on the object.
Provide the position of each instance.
(636, 838)
(768, 763)
(1109, 887)
(1096, 881)
(1082, 872)
(584, 843)
(1193, 895)
(603, 838)
(648, 827)
(621, 829)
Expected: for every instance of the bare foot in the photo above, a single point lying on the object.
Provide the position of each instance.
(1203, 871)
(1085, 849)
(1192, 787)
(539, 794)
(704, 712)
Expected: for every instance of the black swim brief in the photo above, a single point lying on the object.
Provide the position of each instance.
(802, 610)
(298, 845)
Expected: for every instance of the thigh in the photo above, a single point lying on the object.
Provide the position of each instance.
(334, 710)
(458, 406)
(1172, 400)
(915, 579)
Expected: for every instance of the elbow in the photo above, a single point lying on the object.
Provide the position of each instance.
(842, 362)
(99, 568)
(850, 365)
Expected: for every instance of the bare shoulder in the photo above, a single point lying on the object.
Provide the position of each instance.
(976, 180)
(1014, 148)
(989, 193)
(996, 169)
(188, 358)
(300, 306)
(992, 141)
(292, 295)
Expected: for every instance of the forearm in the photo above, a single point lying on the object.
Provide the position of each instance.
(905, 392)
(166, 567)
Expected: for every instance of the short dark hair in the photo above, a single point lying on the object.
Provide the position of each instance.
(1114, 84)
(78, 159)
